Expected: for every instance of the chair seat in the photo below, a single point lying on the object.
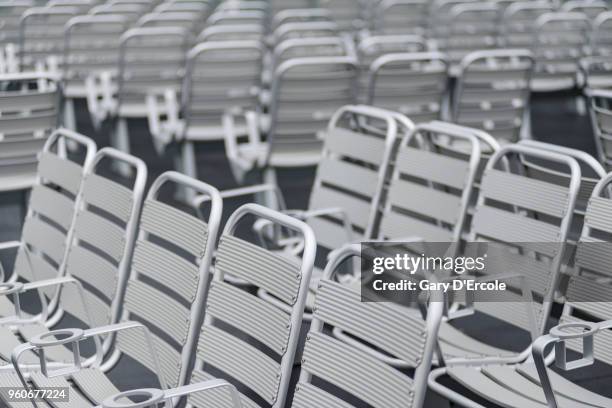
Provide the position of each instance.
(456, 344)
(507, 386)
(17, 182)
(75, 400)
(287, 159)
(211, 132)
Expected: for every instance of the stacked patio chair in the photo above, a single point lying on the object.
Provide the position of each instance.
(29, 106)
(492, 93)
(584, 329)
(48, 224)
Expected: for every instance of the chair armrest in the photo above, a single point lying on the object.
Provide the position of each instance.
(558, 336)
(526, 292)
(164, 103)
(101, 90)
(17, 289)
(240, 165)
(151, 397)
(74, 337)
(3, 247)
(337, 211)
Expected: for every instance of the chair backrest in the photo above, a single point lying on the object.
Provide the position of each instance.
(169, 278)
(42, 33)
(600, 109)
(300, 16)
(347, 13)
(221, 76)
(352, 173)
(492, 92)
(374, 46)
(402, 17)
(430, 190)
(470, 27)
(92, 45)
(528, 219)
(233, 17)
(237, 320)
(559, 43)
(130, 12)
(591, 172)
(48, 226)
(601, 37)
(150, 58)
(590, 8)
(232, 32)
(373, 329)
(415, 84)
(29, 107)
(10, 13)
(305, 94)
(311, 47)
(517, 23)
(103, 240)
(188, 20)
(307, 29)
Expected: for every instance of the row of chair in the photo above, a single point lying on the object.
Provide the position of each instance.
(533, 200)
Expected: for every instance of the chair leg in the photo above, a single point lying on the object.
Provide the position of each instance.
(185, 162)
(120, 140)
(268, 198)
(69, 115)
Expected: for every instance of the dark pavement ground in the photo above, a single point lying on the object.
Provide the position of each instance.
(553, 120)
